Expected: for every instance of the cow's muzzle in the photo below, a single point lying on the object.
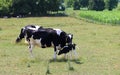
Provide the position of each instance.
(18, 40)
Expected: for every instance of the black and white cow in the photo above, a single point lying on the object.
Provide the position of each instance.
(23, 32)
(46, 37)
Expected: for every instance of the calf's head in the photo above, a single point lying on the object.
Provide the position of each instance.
(69, 38)
(67, 49)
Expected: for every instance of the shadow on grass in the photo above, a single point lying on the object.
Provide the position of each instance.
(60, 14)
(77, 61)
(56, 15)
(0, 29)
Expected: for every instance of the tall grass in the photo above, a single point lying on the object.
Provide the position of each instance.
(111, 17)
(106, 17)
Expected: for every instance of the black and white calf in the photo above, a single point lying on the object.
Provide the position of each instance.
(46, 37)
(68, 48)
(24, 30)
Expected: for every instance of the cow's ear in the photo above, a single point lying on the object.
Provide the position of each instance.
(71, 36)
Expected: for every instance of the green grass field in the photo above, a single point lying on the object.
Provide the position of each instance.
(98, 53)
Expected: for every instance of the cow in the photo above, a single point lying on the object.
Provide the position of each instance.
(47, 37)
(23, 32)
(68, 48)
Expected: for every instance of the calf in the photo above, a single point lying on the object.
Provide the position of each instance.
(24, 30)
(66, 49)
(46, 37)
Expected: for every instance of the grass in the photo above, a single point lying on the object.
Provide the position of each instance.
(106, 17)
(111, 17)
(98, 53)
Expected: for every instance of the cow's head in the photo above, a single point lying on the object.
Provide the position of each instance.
(69, 38)
(21, 35)
(65, 39)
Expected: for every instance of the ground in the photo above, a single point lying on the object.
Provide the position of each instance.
(98, 53)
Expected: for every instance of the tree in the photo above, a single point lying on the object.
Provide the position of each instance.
(97, 5)
(21, 7)
(30, 7)
(5, 7)
(84, 3)
(53, 5)
(69, 3)
(35, 7)
(62, 7)
(76, 5)
(111, 4)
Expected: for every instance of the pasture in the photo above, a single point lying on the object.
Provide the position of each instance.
(98, 53)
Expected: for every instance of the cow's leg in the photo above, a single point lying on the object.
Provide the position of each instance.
(55, 53)
(70, 54)
(65, 56)
(30, 49)
(75, 53)
(26, 40)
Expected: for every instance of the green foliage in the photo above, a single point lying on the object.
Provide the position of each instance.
(21, 7)
(84, 3)
(69, 3)
(118, 7)
(97, 5)
(76, 5)
(53, 5)
(5, 7)
(29, 7)
(44, 7)
(35, 7)
(111, 4)
(62, 7)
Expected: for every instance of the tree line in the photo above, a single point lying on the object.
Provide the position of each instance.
(29, 7)
(44, 7)
(97, 5)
